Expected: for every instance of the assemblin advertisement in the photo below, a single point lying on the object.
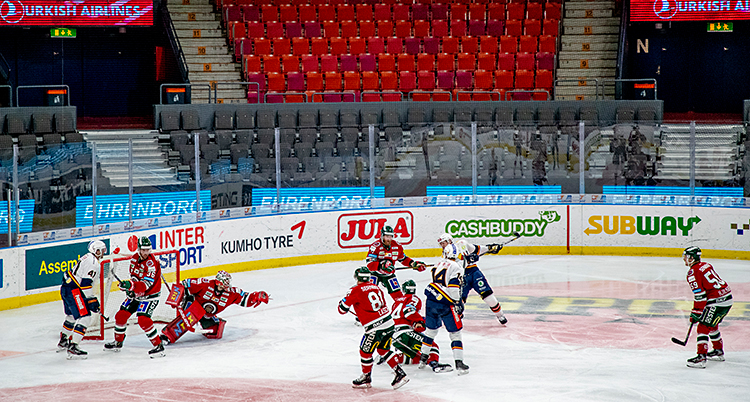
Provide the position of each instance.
(76, 13)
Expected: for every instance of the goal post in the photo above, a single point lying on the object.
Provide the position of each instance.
(111, 297)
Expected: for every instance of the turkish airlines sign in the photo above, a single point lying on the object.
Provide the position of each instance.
(76, 12)
(670, 10)
(361, 230)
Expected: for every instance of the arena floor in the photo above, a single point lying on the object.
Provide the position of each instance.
(580, 329)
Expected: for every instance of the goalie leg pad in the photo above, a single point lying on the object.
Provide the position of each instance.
(192, 314)
(218, 330)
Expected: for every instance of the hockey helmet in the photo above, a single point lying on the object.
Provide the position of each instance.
(386, 231)
(97, 245)
(451, 252)
(445, 237)
(144, 243)
(409, 287)
(362, 274)
(694, 252)
(224, 278)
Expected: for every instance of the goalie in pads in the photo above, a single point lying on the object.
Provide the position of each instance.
(199, 300)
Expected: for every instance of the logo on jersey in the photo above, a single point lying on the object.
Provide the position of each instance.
(361, 230)
(11, 11)
(665, 9)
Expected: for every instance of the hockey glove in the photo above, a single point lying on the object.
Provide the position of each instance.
(93, 304)
(126, 285)
(494, 248)
(471, 258)
(386, 267)
(459, 309)
(257, 298)
(695, 316)
(418, 265)
(419, 326)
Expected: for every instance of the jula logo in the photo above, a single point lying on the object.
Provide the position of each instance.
(360, 230)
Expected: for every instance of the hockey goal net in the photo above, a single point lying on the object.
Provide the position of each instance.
(111, 297)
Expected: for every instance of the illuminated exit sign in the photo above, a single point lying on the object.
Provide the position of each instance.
(62, 33)
(720, 26)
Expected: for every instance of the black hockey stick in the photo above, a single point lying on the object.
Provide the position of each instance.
(683, 343)
(516, 235)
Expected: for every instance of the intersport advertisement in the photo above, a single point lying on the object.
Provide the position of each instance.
(72, 13)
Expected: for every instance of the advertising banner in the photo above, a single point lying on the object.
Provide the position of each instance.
(45, 265)
(25, 215)
(115, 208)
(76, 13)
(671, 10)
(311, 199)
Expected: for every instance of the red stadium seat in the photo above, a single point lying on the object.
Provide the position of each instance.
(251, 63)
(450, 44)
(548, 44)
(446, 62)
(496, 11)
(364, 12)
(338, 46)
(401, 12)
(329, 63)
(375, 45)
(382, 12)
(309, 63)
(439, 28)
(508, 44)
(534, 11)
(262, 46)
(425, 62)
(431, 45)
(386, 62)
(357, 46)
(289, 63)
(271, 64)
(345, 12)
(367, 62)
(458, 28)
(504, 79)
(544, 79)
(331, 29)
(281, 46)
(313, 30)
(527, 44)
(506, 61)
(307, 13)
(421, 28)
(550, 27)
(532, 27)
(405, 62)
(486, 61)
(349, 29)
(525, 61)
(300, 46)
(327, 12)
(370, 81)
(403, 29)
(367, 29)
(274, 30)
(466, 61)
(426, 80)
(524, 79)
(394, 45)
(407, 81)
(319, 46)
(488, 44)
(469, 44)
(385, 29)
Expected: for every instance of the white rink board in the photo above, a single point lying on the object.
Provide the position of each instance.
(243, 240)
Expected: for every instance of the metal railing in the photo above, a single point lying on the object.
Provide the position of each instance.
(162, 86)
(174, 41)
(67, 92)
(283, 96)
(508, 94)
(412, 93)
(248, 83)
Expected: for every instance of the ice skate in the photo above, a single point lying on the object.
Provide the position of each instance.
(462, 367)
(697, 361)
(502, 319)
(157, 351)
(364, 381)
(716, 355)
(164, 339)
(399, 379)
(63, 344)
(113, 346)
(441, 368)
(74, 353)
(423, 361)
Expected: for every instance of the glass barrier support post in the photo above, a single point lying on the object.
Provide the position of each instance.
(16, 194)
(10, 226)
(93, 183)
(581, 162)
(473, 161)
(197, 153)
(371, 139)
(692, 158)
(130, 180)
(277, 154)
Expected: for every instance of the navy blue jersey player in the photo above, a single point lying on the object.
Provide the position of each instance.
(473, 277)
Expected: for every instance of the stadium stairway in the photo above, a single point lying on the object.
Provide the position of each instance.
(206, 52)
(149, 165)
(589, 49)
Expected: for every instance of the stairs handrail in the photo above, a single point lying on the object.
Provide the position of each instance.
(174, 41)
(623, 34)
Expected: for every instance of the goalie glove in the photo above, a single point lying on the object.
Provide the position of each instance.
(695, 316)
(126, 285)
(418, 265)
(494, 248)
(93, 304)
(256, 298)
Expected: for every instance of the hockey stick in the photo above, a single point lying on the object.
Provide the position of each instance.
(683, 343)
(516, 235)
(405, 267)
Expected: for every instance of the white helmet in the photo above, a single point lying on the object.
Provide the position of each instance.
(97, 245)
(451, 252)
(445, 237)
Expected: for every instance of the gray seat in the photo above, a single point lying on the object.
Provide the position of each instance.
(391, 118)
(287, 119)
(223, 120)
(504, 117)
(237, 151)
(16, 125)
(308, 119)
(349, 118)
(266, 119)
(223, 139)
(329, 119)
(170, 120)
(244, 136)
(245, 119)
(329, 135)
(42, 123)
(308, 135)
(190, 120)
(65, 122)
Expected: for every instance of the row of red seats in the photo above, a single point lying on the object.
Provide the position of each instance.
(431, 46)
(220, 3)
(384, 12)
(403, 62)
(405, 82)
(384, 29)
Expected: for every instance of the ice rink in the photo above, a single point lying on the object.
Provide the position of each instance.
(580, 329)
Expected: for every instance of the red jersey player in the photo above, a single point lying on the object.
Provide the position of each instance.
(382, 256)
(203, 300)
(368, 303)
(409, 326)
(142, 290)
(713, 299)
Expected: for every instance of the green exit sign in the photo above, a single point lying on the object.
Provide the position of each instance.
(62, 33)
(720, 26)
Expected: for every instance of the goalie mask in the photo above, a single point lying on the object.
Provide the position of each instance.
(409, 287)
(224, 278)
(97, 248)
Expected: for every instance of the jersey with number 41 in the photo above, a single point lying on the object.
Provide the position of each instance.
(369, 305)
(708, 287)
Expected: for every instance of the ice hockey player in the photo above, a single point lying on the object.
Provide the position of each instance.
(443, 296)
(409, 326)
(142, 296)
(381, 259)
(368, 303)
(78, 299)
(712, 301)
(473, 277)
(200, 300)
